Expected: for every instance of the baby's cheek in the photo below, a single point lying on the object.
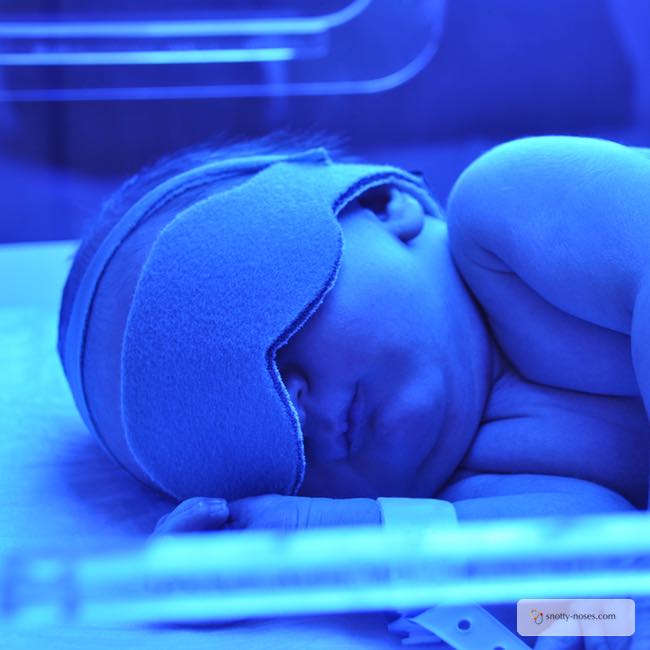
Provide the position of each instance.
(325, 450)
(410, 418)
(338, 479)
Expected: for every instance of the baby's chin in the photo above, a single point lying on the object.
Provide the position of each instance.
(335, 480)
(346, 479)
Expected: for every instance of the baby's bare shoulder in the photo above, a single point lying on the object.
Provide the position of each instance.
(550, 235)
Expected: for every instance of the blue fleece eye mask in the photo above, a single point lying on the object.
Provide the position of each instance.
(226, 283)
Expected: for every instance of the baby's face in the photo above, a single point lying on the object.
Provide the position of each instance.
(398, 350)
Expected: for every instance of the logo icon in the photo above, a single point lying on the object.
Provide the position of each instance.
(537, 616)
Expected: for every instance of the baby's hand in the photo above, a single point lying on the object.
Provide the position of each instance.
(192, 515)
(267, 511)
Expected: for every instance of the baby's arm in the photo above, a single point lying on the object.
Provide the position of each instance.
(551, 235)
(476, 497)
(268, 511)
(496, 496)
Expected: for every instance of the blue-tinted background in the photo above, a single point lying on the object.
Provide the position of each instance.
(500, 69)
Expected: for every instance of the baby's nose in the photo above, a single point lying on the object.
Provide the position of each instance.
(296, 386)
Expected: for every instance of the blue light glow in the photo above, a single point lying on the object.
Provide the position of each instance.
(176, 57)
(243, 574)
(486, 373)
(182, 28)
(272, 89)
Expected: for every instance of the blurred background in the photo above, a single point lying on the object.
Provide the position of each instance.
(91, 91)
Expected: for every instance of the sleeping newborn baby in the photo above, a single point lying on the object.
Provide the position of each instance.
(276, 339)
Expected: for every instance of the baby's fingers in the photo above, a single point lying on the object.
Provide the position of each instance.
(192, 515)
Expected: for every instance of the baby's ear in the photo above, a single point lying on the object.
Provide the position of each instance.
(401, 213)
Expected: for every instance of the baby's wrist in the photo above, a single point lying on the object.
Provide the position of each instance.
(367, 511)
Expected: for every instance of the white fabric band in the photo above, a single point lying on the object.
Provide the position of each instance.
(397, 511)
